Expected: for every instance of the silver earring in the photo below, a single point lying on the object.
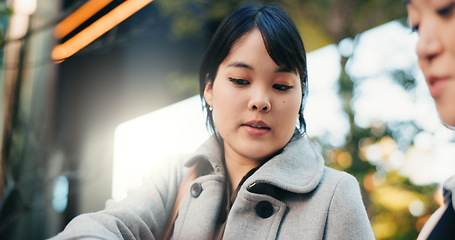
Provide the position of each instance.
(210, 108)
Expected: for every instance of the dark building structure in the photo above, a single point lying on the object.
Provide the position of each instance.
(60, 115)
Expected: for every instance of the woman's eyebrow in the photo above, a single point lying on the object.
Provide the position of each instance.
(246, 66)
(240, 65)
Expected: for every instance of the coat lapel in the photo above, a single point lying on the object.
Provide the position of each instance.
(199, 209)
(297, 169)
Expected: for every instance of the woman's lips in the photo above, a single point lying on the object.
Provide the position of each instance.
(436, 85)
(256, 127)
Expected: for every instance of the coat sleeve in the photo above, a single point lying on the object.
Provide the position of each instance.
(347, 217)
(141, 215)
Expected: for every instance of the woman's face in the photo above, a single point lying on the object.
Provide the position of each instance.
(255, 102)
(434, 21)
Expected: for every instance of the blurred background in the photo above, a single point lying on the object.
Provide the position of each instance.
(94, 91)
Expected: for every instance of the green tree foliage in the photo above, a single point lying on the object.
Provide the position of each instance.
(337, 19)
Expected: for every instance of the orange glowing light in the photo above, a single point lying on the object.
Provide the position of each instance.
(368, 182)
(79, 16)
(421, 221)
(98, 28)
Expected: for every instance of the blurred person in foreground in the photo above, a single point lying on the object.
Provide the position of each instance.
(258, 176)
(434, 21)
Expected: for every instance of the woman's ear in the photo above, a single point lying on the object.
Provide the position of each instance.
(208, 93)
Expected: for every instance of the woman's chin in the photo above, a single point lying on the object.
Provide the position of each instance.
(448, 121)
(447, 116)
(450, 125)
(445, 104)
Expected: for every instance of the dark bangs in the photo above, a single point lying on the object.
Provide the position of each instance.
(230, 30)
(282, 41)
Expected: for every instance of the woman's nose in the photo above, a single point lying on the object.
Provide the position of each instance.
(260, 102)
(429, 44)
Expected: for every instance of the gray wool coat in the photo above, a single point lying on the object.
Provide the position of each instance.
(292, 196)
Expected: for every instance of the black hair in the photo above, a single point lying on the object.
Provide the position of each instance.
(281, 39)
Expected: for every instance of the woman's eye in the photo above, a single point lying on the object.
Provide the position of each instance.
(446, 11)
(239, 82)
(281, 87)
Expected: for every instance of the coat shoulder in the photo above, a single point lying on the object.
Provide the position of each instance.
(335, 177)
(335, 183)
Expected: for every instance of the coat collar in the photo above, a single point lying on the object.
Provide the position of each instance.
(209, 152)
(298, 168)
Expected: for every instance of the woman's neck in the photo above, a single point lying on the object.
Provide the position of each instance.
(237, 167)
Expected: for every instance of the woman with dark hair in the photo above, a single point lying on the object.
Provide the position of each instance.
(258, 176)
(434, 21)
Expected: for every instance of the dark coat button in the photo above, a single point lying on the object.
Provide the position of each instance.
(196, 190)
(264, 209)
